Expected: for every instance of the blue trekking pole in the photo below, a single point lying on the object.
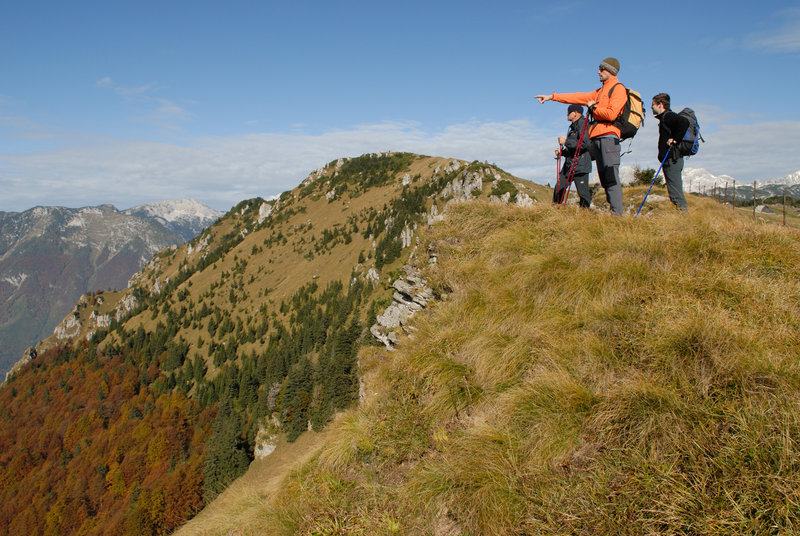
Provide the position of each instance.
(654, 181)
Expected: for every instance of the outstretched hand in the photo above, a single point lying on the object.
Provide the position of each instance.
(543, 98)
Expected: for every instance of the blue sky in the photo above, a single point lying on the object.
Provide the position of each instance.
(134, 102)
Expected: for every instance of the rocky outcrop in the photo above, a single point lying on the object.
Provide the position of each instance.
(434, 216)
(69, 327)
(407, 235)
(462, 188)
(524, 200)
(412, 294)
(373, 277)
(264, 211)
(267, 438)
(125, 305)
(101, 321)
(192, 249)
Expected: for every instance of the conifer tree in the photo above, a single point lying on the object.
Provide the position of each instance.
(227, 457)
(297, 398)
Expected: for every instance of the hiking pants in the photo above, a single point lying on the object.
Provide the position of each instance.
(672, 176)
(582, 186)
(581, 181)
(605, 152)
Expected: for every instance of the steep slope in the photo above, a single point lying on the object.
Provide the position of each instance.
(149, 401)
(582, 375)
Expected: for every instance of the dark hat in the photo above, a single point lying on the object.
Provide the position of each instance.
(575, 108)
(611, 65)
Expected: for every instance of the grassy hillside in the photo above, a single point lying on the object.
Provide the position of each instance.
(150, 401)
(582, 374)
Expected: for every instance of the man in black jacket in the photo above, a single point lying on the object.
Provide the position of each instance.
(671, 129)
(568, 146)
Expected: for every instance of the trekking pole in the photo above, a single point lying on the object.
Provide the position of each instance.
(575, 157)
(654, 181)
(565, 197)
(558, 172)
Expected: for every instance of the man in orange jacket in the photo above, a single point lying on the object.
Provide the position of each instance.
(606, 105)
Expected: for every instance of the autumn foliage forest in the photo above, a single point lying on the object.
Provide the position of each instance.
(125, 460)
(135, 440)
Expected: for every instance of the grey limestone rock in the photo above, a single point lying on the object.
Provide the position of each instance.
(412, 295)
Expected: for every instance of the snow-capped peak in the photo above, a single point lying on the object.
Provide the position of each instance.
(176, 210)
(789, 180)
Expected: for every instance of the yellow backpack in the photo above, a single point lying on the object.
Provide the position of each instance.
(632, 115)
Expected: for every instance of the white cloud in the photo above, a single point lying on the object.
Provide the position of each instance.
(784, 37)
(222, 171)
(757, 151)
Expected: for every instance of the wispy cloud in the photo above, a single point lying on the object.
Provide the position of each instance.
(783, 36)
(108, 83)
(26, 129)
(222, 171)
(163, 113)
(166, 115)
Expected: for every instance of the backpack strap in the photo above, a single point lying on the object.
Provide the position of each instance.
(610, 91)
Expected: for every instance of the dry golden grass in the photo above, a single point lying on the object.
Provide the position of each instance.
(585, 374)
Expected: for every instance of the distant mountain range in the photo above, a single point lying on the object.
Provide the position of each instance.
(50, 256)
(701, 181)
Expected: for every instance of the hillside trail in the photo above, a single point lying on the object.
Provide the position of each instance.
(251, 493)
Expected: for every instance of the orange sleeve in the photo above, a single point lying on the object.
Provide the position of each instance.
(576, 98)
